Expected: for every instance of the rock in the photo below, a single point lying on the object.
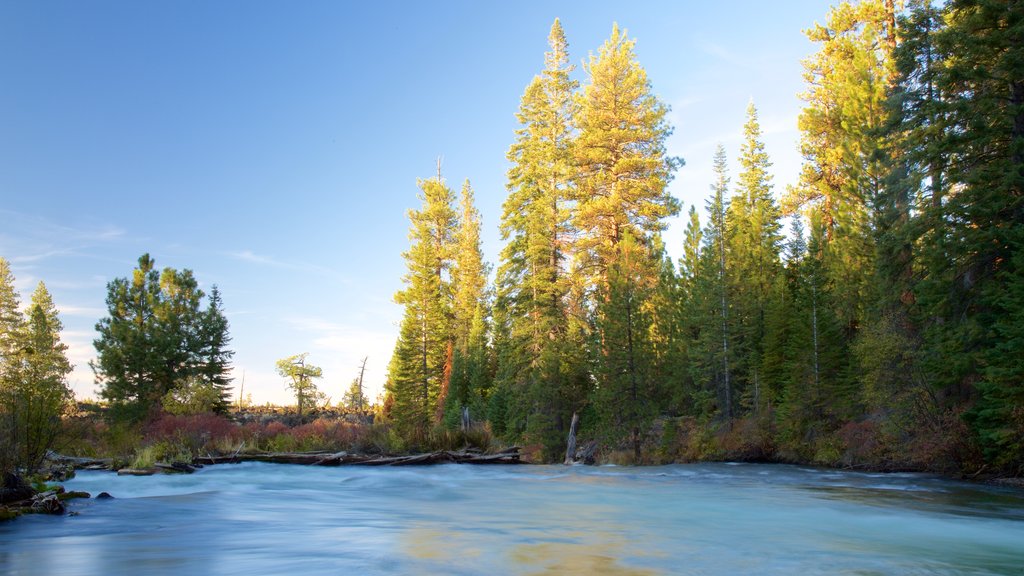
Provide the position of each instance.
(61, 473)
(73, 494)
(14, 489)
(47, 503)
(104, 496)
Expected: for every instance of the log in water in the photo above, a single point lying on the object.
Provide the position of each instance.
(259, 518)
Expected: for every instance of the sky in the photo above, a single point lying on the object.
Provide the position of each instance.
(273, 148)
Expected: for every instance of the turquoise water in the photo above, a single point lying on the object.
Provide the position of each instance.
(701, 519)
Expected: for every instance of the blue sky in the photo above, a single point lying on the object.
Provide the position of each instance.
(273, 148)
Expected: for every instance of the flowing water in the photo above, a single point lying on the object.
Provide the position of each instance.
(683, 519)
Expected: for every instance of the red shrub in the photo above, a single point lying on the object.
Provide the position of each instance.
(196, 431)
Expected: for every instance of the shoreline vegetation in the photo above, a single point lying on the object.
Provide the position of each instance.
(184, 444)
(871, 316)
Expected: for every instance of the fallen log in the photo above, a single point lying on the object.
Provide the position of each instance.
(507, 456)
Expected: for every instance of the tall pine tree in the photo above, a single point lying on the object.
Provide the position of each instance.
(420, 363)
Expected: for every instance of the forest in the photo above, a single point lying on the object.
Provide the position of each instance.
(871, 315)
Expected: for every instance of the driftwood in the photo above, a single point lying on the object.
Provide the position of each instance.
(507, 456)
(80, 463)
(137, 471)
(570, 448)
(181, 467)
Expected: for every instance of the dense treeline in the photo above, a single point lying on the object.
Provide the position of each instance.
(870, 314)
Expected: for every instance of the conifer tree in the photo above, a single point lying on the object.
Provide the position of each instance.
(420, 362)
(971, 293)
(301, 377)
(470, 378)
(754, 246)
(712, 359)
(156, 337)
(842, 141)
(541, 366)
(625, 395)
(623, 168)
(469, 273)
(34, 394)
(11, 321)
(213, 358)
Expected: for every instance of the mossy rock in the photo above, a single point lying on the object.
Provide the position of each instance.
(8, 513)
(71, 495)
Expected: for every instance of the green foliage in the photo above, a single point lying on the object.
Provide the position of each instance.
(625, 362)
(34, 394)
(301, 380)
(622, 168)
(539, 362)
(157, 334)
(192, 396)
(420, 364)
(354, 398)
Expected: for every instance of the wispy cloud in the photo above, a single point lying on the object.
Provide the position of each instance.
(249, 256)
(83, 311)
(270, 261)
(29, 239)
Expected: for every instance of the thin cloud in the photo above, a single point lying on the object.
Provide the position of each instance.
(263, 260)
(82, 311)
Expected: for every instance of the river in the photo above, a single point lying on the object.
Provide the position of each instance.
(701, 519)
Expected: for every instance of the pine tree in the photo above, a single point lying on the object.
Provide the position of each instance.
(469, 274)
(971, 293)
(623, 169)
(128, 361)
(689, 306)
(11, 319)
(470, 369)
(157, 337)
(11, 325)
(711, 303)
(843, 143)
(213, 357)
(625, 357)
(34, 394)
(754, 247)
(540, 364)
(421, 360)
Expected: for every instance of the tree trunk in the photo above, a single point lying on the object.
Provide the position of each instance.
(570, 448)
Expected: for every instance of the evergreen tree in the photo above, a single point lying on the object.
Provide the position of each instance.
(11, 322)
(354, 399)
(469, 274)
(421, 360)
(711, 303)
(970, 295)
(754, 246)
(157, 336)
(129, 365)
(11, 319)
(213, 357)
(625, 357)
(623, 169)
(34, 394)
(689, 305)
(842, 141)
(471, 376)
(541, 364)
